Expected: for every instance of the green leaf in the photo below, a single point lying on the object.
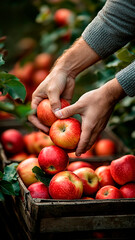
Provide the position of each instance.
(16, 187)
(1, 60)
(124, 55)
(11, 85)
(7, 188)
(7, 106)
(23, 111)
(1, 196)
(10, 173)
(41, 176)
(1, 174)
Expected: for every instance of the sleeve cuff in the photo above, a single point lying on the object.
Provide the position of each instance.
(126, 78)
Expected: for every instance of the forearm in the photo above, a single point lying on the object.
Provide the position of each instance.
(77, 58)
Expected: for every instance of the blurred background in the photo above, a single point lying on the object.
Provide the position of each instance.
(37, 32)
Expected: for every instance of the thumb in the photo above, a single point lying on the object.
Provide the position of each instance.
(67, 111)
(55, 102)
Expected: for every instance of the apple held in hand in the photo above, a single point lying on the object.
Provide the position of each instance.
(108, 192)
(45, 114)
(123, 169)
(39, 190)
(12, 141)
(89, 179)
(66, 185)
(65, 133)
(128, 190)
(78, 164)
(104, 176)
(25, 172)
(53, 159)
(105, 147)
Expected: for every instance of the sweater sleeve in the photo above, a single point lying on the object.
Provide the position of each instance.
(112, 28)
(126, 78)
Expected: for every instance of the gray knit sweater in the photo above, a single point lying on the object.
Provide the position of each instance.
(111, 29)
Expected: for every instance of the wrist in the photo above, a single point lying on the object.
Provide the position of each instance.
(113, 90)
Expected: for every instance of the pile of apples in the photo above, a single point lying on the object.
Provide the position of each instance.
(68, 180)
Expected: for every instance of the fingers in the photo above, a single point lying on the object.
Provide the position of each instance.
(34, 120)
(67, 111)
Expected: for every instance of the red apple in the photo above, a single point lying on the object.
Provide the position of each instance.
(108, 192)
(19, 157)
(78, 164)
(123, 169)
(65, 185)
(43, 61)
(24, 170)
(29, 140)
(104, 176)
(12, 141)
(53, 159)
(87, 198)
(105, 147)
(24, 73)
(89, 179)
(63, 16)
(39, 75)
(42, 140)
(45, 114)
(65, 133)
(128, 190)
(87, 154)
(39, 190)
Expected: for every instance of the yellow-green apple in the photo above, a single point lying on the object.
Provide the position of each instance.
(43, 61)
(39, 190)
(12, 141)
(123, 169)
(128, 190)
(78, 164)
(87, 154)
(53, 159)
(45, 114)
(25, 172)
(65, 133)
(108, 192)
(19, 157)
(104, 176)
(66, 185)
(105, 147)
(63, 16)
(89, 179)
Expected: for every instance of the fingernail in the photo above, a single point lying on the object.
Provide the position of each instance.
(58, 113)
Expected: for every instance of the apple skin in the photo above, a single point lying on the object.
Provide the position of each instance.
(89, 179)
(65, 133)
(78, 164)
(24, 72)
(104, 176)
(108, 192)
(63, 16)
(123, 169)
(128, 190)
(53, 159)
(39, 75)
(66, 185)
(105, 147)
(12, 141)
(39, 190)
(43, 61)
(45, 114)
(36, 141)
(87, 154)
(19, 157)
(24, 170)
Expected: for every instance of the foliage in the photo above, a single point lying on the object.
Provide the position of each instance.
(41, 176)
(9, 184)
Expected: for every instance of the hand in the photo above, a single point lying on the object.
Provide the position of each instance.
(56, 85)
(95, 108)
